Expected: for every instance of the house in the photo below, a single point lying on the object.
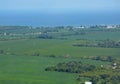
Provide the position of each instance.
(88, 82)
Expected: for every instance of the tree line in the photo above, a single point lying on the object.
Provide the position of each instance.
(102, 43)
(71, 67)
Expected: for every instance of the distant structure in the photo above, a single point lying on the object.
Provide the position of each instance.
(114, 65)
(5, 34)
(80, 27)
(88, 82)
(97, 26)
(101, 66)
(111, 26)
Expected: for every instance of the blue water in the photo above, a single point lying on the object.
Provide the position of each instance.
(50, 19)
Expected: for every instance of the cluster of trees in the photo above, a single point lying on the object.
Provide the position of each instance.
(103, 43)
(102, 77)
(12, 27)
(97, 75)
(106, 79)
(45, 36)
(109, 44)
(1, 51)
(106, 74)
(101, 58)
(71, 67)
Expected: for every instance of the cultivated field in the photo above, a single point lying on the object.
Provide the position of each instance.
(26, 52)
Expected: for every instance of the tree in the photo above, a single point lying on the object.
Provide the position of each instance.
(1, 51)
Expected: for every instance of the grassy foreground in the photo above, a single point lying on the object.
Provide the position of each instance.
(30, 70)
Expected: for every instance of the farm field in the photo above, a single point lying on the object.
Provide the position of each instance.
(30, 70)
(54, 47)
(24, 56)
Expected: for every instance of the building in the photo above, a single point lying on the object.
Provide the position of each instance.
(88, 82)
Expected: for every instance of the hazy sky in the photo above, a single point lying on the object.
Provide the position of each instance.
(59, 5)
(61, 11)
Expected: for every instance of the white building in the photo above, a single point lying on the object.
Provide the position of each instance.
(88, 82)
(111, 26)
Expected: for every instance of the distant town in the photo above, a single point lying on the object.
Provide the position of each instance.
(103, 26)
(69, 26)
(99, 26)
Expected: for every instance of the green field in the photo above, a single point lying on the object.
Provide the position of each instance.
(23, 60)
(56, 47)
(30, 70)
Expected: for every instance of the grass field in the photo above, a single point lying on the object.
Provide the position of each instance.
(54, 47)
(30, 70)
(24, 61)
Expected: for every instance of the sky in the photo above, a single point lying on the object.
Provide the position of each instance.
(61, 11)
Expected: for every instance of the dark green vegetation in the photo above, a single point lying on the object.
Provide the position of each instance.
(102, 77)
(99, 43)
(71, 67)
(26, 52)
